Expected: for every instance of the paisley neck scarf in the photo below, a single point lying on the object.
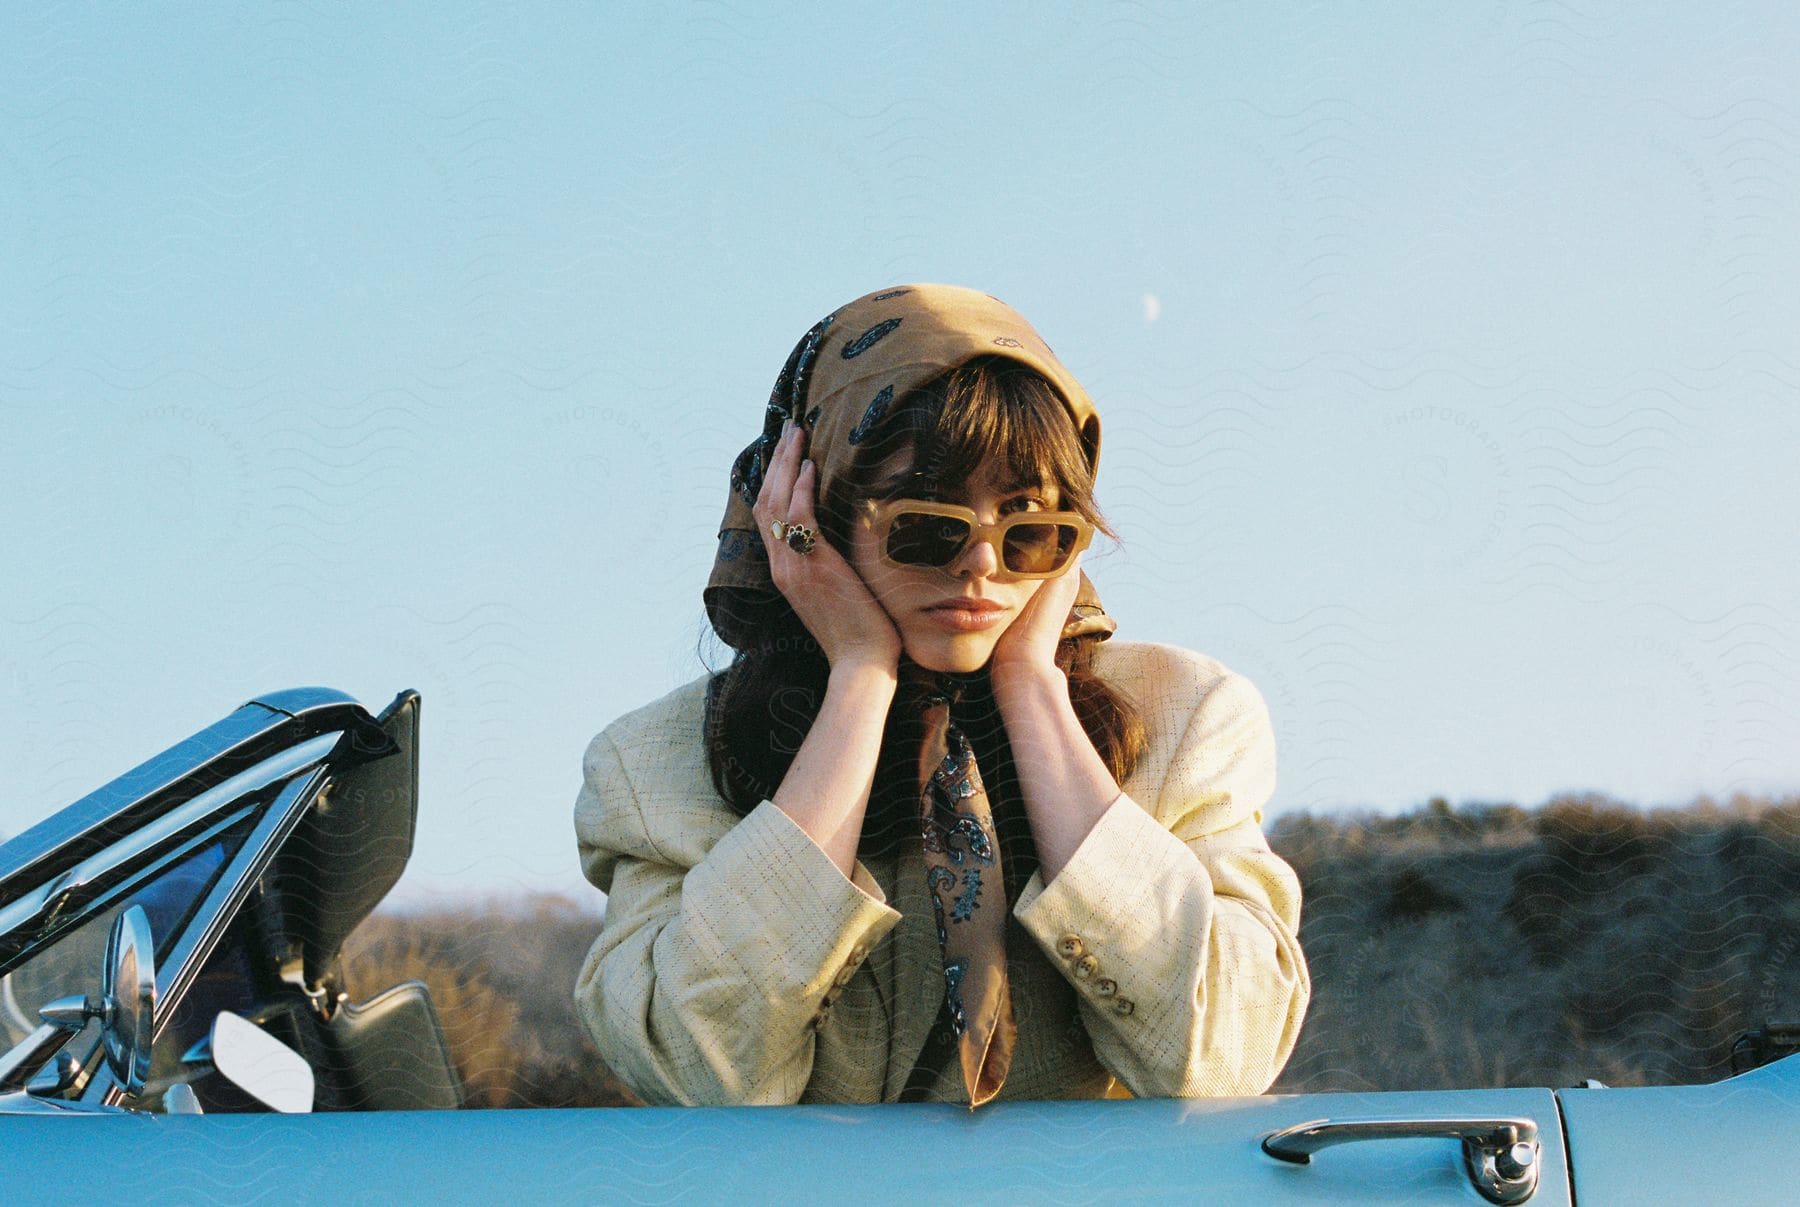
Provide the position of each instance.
(837, 384)
(967, 885)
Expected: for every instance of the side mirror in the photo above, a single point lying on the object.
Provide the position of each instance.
(260, 1065)
(128, 987)
(126, 1006)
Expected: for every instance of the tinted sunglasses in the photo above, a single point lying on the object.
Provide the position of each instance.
(1028, 544)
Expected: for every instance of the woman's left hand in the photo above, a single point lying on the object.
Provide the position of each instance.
(1029, 644)
(1066, 784)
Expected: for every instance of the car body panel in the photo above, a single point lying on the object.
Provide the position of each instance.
(1668, 1144)
(1057, 1152)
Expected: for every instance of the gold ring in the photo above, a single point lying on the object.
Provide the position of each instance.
(800, 538)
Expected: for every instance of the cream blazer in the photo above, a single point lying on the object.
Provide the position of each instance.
(737, 965)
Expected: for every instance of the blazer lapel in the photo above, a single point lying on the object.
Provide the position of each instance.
(918, 970)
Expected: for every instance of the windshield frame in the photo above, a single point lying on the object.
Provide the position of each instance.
(267, 763)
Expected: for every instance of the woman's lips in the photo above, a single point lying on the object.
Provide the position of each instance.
(966, 618)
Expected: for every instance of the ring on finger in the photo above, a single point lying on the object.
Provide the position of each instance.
(779, 529)
(800, 538)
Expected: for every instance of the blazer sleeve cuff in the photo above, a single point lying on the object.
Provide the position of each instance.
(859, 878)
(769, 896)
(1112, 889)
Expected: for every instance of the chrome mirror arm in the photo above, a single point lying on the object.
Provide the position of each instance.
(72, 1013)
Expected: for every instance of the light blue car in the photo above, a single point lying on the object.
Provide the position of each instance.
(174, 1029)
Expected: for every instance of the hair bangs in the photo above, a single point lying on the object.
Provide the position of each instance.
(989, 410)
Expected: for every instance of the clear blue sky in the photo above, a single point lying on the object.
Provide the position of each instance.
(1449, 363)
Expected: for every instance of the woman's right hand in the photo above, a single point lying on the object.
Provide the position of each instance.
(824, 590)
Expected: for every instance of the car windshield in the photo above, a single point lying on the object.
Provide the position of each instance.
(71, 965)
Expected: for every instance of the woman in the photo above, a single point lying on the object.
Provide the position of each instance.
(928, 837)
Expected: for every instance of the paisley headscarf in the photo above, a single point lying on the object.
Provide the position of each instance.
(837, 384)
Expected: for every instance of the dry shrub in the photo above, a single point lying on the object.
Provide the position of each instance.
(1412, 894)
(1651, 938)
(478, 1020)
(502, 976)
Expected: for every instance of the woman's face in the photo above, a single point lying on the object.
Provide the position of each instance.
(951, 618)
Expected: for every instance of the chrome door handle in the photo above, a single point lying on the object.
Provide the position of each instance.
(1502, 1155)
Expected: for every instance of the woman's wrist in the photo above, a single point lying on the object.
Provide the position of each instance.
(1027, 682)
(1066, 784)
(826, 788)
(864, 676)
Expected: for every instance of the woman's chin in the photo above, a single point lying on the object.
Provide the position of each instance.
(952, 654)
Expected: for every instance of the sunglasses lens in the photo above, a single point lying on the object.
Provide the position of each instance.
(918, 538)
(1039, 548)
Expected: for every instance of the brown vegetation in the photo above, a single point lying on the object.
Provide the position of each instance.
(1490, 945)
(503, 981)
(1476, 945)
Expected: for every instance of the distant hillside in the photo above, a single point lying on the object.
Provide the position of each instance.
(1495, 946)
(1475, 946)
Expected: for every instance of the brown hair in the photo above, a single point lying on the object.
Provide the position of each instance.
(760, 707)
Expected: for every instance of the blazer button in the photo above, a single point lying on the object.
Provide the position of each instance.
(1085, 967)
(1123, 1007)
(1106, 987)
(1069, 947)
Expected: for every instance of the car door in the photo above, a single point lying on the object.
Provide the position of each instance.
(1085, 1151)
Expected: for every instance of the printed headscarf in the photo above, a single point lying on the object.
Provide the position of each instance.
(838, 382)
